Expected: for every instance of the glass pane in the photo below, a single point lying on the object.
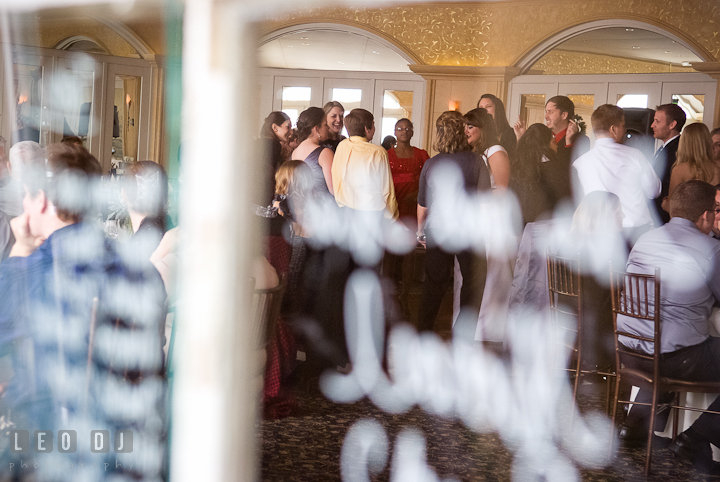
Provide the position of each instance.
(73, 91)
(584, 106)
(350, 99)
(632, 100)
(126, 117)
(295, 100)
(693, 105)
(396, 105)
(532, 109)
(27, 81)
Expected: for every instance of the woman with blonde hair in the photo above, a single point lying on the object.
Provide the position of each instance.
(452, 145)
(482, 135)
(694, 159)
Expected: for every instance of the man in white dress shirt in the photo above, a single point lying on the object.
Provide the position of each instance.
(619, 169)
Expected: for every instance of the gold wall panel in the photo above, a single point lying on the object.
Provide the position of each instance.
(561, 62)
(500, 33)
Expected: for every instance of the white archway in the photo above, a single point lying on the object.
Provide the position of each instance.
(529, 59)
(342, 28)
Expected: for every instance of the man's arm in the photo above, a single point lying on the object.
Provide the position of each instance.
(389, 187)
(649, 180)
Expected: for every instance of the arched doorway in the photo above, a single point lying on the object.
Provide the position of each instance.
(617, 61)
(311, 64)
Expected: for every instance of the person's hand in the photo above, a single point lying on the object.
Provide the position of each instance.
(519, 128)
(25, 242)
(572, 129)
(422, 240)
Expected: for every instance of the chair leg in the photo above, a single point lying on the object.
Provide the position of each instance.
(651, 430)
(676, 415)
(614, 415)
(574, 394)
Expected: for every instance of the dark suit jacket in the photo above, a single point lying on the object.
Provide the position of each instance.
(580, 145)
(662, 163)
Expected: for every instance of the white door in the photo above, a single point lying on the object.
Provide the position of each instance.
(587, 96)
(125, 129)
(693, 98)
(295, 94)
(397, 99)
(27, 111)
(76, 102)
(527, 101)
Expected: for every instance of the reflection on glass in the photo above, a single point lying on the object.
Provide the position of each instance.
(126, 117)
(27, 82)
(633, 100)
(350, 99)
(693, 105)
(294, 101)
(532, 109)
(396, 105)
(74, 93)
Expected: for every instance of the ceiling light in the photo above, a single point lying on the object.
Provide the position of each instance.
(629, 29)
(293, 46)
(635, 47)
(376, 52)
(343, 63)
(686, 64)
(303, 38)
(668, 51)
(305, 43)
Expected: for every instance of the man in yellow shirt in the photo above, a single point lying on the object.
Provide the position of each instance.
(361, 174)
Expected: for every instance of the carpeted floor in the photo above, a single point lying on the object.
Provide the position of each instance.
(307, 446)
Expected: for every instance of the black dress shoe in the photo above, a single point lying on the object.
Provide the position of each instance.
(697, 452)
(634, 438)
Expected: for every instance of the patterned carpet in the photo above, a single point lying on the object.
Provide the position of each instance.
(307, 446)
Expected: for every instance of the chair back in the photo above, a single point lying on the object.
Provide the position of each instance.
(630, 295)
(266, 305)
(565, 291)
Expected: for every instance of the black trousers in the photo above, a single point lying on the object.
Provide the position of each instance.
(694, 363)
(439, 265)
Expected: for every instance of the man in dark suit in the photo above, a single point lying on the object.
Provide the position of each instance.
(667, 124)
(572, 143)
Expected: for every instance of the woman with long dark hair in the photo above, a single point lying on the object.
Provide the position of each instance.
(313, 130)
(274, 133)
(539, 180)
(452, 145)
(482, 136)
(496, 108)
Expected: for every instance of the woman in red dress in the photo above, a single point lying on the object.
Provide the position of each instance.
(406, 162)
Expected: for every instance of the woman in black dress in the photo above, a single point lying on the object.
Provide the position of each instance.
(496, 108)
(539, 179)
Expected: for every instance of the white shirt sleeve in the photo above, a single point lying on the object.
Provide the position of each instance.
(650, 182)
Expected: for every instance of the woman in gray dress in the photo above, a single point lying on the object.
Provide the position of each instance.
(313, 130)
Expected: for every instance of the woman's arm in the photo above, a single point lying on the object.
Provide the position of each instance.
(500, 167)
(422, 213)
(325, 160)
(679, 175)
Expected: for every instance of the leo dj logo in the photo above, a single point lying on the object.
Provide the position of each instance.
(42, 441)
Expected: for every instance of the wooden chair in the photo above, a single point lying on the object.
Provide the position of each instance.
(566, 293)
(266, 305)
(638, 296)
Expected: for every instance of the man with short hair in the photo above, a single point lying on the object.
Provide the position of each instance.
(613, 167)
(716, 225)
(689, 262)
(61, 274)
(362, 179)
(668, 122)
(559, 113)
(715, 134)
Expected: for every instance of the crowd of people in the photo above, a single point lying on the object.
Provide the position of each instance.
(618, 201)
(83, 319)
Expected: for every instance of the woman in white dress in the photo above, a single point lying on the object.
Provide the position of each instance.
(482, 136)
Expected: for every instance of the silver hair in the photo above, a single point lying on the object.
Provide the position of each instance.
(20, 154)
